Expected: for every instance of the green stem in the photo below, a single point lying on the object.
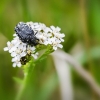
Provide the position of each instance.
(47, 52)
(28, 69)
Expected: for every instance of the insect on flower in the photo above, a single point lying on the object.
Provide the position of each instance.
(26, 34)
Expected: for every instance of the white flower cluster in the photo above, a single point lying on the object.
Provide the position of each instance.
(46, 35)
(18, 49)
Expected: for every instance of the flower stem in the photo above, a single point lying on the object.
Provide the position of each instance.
(47, 52)
(28, 69)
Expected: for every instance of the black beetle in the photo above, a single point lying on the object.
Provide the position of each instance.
(26, 34)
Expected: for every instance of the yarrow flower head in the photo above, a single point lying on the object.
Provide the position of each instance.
(26, 38)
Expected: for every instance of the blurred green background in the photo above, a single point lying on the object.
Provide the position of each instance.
(79, 20)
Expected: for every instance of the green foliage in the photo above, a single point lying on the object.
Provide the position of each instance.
(43, 84)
